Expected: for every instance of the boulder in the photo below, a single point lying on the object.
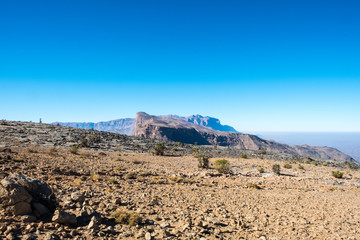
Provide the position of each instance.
(19, 194)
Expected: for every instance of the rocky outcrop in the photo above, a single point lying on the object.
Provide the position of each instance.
(21, 195)
(179, 130)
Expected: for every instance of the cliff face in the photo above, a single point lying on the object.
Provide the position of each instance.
(206, 121)
(179, 130)
(124, 126)
(127, 125)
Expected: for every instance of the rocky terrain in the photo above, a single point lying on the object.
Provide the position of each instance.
(177, 130)
(65, 183)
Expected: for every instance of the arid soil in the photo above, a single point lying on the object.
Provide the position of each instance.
(176, 200)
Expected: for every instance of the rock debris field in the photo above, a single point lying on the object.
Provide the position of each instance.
(58, 191)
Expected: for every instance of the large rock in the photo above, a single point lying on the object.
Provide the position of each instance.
(20, 194)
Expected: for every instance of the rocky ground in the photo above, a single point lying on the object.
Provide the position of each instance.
(168, 197)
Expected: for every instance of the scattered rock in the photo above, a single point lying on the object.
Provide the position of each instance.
(64, 217)
(78, 197)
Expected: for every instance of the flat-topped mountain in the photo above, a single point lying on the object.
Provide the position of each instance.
(122, 126)
(179, 130)
(127, 125)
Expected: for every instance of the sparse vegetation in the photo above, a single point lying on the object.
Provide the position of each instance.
(276, 169)
(126, 217)
(260, 169)
(349, 165)
(243, 155)
(176, 179)
(316, 163)
(53, 151)
(74, 149)
(301, 167)
(203, 161)
(287, 165)
(84, 142)
(131, 175)
(113, 180)
(159, 149)
(262, 151)
(253, 185)
(94, 177)
(222, 166)
(195, 150)
(337, 174)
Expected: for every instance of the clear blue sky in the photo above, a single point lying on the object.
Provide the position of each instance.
(256, 65)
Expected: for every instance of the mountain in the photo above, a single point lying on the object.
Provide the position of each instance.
(124, 126)
(207, 121)
(127, 125)
(180, 130)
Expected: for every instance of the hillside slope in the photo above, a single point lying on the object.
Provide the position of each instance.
(179, 130)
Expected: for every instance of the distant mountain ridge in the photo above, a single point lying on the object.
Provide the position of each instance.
(127, 125)
(206, 121)
(179, 130)
(124, 126)
(203, 131)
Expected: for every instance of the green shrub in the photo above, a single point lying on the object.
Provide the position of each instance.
(222, 166)
(243, 155)
(324, 164)
(253, 185)
(176, 179)
(307, 161)
(203, 161)
(84, 142)
(337, 174)
(262, 151)
(113, 180)
(349, 165)
(126, 217)
(287, 165)
(276, 169)
(316, 163)
(159, 149)
(260, 169)
(195, 150)
(74, 149)
(301, 167)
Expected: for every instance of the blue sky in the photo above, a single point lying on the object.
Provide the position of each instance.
(256, 65)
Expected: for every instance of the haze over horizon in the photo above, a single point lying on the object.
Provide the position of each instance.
(258, 66)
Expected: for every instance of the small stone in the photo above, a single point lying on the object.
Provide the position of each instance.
(77, 197)
(140, 234)
(93, 224)
(64, 217)
(148, 236)
(10, 236)
(164, 225)
(117, 201)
